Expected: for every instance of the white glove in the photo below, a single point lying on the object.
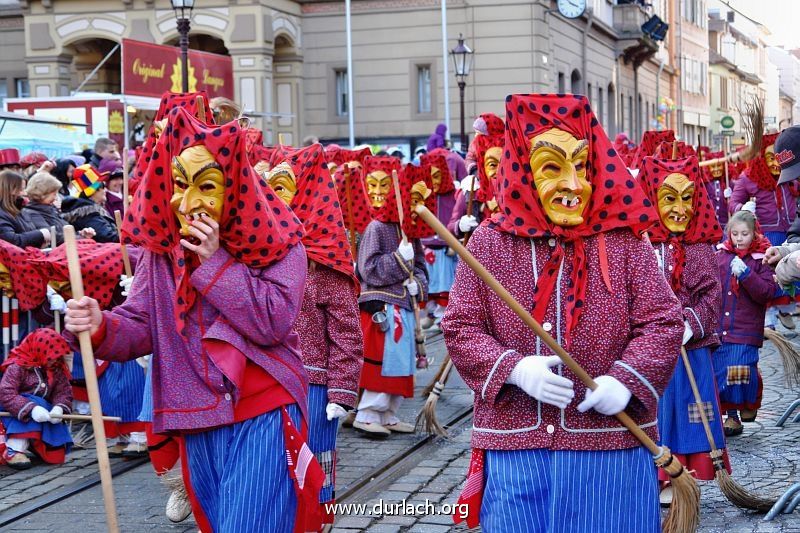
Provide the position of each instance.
(728, 192)
(609, 398)
(40, 414)
(470, 183)
(738, 266)
(750, 206)
(55, 300)
(144, 361)
(334, 410)
(125, 282)
(467, 223)
(55, 414)
(406, 251)
(688, 332)
(533, 375)
(412, 286)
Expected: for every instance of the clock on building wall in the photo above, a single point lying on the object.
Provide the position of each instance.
(571, 9)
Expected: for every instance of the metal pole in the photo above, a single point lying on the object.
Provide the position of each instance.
(94, 71)
(183, 29)
(350, 95)
(446, 70)
(461, 85)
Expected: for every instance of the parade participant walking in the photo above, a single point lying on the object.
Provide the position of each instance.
(35, 390)
(217, 307)
(328, 326)
(567, 244)
(392, 273)
(775, 206)
(747, 288)
(684, 242)
(718, 186)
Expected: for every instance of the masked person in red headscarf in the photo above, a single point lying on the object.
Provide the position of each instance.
(216, 293)
(684, 243)
(393, 275)
(567, 243)
(718, 185)
(328, 326)
(774, 205)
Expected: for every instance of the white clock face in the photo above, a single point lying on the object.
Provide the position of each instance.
(571, 8)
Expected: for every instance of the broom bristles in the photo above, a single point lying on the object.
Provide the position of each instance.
(739, 496)
(427, 417)
(684, 511)
(789, 355)
(437, 378)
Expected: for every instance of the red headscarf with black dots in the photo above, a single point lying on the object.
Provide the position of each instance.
(101, 267)
(486, 189)
(169, 101)
(339, 156)
(707, 177)
(261, 153)
(253, 138)
(317, 206)
(256, 227)
(413, 225)
(29, 285)
(665, 149)
(354, 198)
(650, 141)
(494, 124)
(439, 161)
(388, 211)
(616, 201)
(703, 227)
(41, 348)
(758, 171)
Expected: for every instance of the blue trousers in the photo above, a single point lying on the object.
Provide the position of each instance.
(545, 491)
(240, 477)
(322, 438)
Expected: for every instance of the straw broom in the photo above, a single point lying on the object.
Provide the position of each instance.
(789, 356)
(427, 416)
(87, 355)
(735, 493)
(684, 512)
(754, 129)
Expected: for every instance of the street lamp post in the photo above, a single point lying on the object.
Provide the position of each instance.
(183, 12)
(462, 60)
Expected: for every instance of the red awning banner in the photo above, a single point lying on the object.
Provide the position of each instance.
(152, 69)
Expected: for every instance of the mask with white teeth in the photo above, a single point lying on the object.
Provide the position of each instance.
(559, 167)
(379, 185)
(199, 187)
(676, 202)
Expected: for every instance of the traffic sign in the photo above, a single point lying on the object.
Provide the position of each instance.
(727, 121)
(728, 133)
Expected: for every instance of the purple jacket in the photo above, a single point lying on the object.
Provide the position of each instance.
(458, 170)
(381, 269)
(632, 333)
(444, 210)
(742, 316)
(766, 204)
(717, 195)
(114, 203)
(700, 292)
(18, 381)
(250, 312)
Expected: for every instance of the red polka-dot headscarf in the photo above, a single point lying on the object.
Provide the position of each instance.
(388, 211)
(650, 141)
(665, 149)
(616, 201)
(486, 189)
(413, 226)
(256, 227)
(41, 348)
(28, 284)
(261, 153)
(353, 199)
(757, 169)
(317, 206)
(438, 160)
(703, 227)
(339, 156)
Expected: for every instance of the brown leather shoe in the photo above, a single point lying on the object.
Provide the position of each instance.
(16, 460)
(732, 427)
(748, 415)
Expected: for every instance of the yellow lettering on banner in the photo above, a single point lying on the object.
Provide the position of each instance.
(213, 81)
(147, 71)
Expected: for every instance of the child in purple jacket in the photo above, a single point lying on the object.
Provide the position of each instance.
(747, 288)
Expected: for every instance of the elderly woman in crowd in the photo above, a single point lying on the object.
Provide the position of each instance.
(13, 227)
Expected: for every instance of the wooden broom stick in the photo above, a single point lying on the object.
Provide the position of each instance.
(71, 417)
(675, 149)
(87, 357)
(351, 225)
(201, 109)
(754, 127)
(684, 513)
(125, 259)
(56, 314)
(125, 179)
(469, 208)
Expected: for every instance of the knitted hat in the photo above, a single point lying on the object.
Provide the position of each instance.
(112, 167)
(87, 180)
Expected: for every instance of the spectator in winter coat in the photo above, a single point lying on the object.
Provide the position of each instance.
(114, 200)
(43, 210)
(13, 227)
(86, 210)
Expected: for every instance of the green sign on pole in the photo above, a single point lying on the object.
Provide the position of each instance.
(727, 121)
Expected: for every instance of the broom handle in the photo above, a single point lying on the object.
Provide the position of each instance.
(397, 197)
(87, 357)
(350, 222)
(469, 208)
(698, 399)
(732, 157)
(125, 179)
(71, 417)
(56, 314)
(727, 178)
(125, 259)
(529, 321)
(201, 109)
(675, 149)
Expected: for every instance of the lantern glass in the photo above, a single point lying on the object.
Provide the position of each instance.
(462, 58)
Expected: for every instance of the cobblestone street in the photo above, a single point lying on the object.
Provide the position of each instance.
(764, 461)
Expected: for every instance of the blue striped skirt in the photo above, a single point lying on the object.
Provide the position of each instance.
(547, 491)
(442, 272)
(240, 476)
(736, 366)
(121, 388)
(146, 414)
(679, 424)
(322, 438)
